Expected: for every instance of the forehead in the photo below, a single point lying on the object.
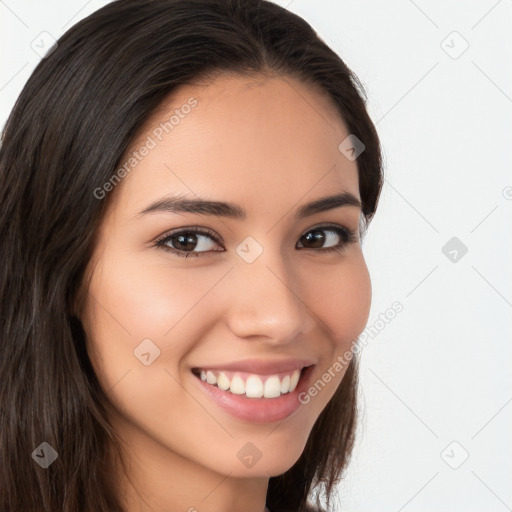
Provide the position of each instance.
(262, 140)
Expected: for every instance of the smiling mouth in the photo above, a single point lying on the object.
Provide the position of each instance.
(251, 385)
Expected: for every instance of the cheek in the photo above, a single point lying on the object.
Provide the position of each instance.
(146, 301)
(343, 300)
(175, 308)
(122, 310)
(130, 302)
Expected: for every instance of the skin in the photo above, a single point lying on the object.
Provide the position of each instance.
(270, 145)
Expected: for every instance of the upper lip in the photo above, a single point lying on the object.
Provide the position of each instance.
(260, 366)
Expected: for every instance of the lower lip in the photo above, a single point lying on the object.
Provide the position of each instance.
(258, 410)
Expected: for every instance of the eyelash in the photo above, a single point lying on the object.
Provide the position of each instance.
(347, 237)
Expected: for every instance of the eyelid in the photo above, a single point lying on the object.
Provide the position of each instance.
(350, 235)
(190, 229)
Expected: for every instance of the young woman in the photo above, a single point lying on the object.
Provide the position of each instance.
(185, 188)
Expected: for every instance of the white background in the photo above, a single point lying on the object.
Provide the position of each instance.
(440, 372)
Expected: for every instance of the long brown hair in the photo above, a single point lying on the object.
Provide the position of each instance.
(72, 123)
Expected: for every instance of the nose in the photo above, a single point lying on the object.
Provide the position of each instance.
(268, 302)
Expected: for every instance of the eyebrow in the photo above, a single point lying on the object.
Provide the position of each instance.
(182, 204)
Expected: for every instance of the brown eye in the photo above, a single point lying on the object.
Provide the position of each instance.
(192, 241)
(189, 241)
(315, 239)
(337, 238)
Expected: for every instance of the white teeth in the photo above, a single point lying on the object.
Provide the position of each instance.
(294, 380)
(272, 387)
(253, 386)
(237, 385)
(223, 382)
(210, 377)
(285, 385)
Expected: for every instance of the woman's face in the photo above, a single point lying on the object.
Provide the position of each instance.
(257, 298)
